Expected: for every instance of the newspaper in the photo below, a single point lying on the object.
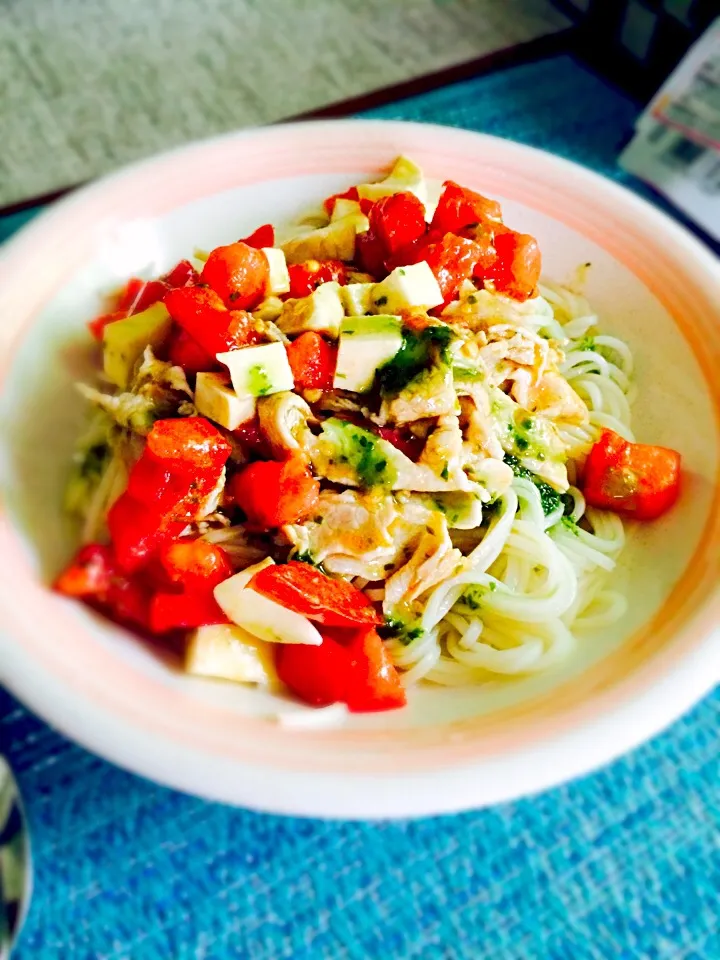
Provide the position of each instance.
(676, 147)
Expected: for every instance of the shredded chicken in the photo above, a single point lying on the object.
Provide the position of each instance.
(552, 397)
(433, 560)
(284, 421)
(443, 451)
(430, 394)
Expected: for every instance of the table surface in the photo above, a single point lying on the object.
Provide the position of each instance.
(621, 864)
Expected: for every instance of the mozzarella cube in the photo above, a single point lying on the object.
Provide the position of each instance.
(322, 311)
(357, 298)
(279, 278)
(407, 288)
(216, 400)
(258, 371)
(227, 652)
(366, 343)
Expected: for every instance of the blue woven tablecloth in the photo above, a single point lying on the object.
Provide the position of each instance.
(623, 864)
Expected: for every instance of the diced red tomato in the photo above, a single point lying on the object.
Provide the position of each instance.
(243, 330)
(181, 275)
(264, 236)
(459, 207)
(306, 277)
(403, 440)
(184, 611)
(192, 440)
(202, 315)
(310, 592)
(312, 361)
(238, 273)
(251, 437)
(127, 601)
(397, 221)
(517, 266)
(274, 494)
(184, 351)
(136, 296)
(195, 564)
(317, 675)
(97, 325)
(634, 479)
(351, 194)
(370, 254)
(357, 672)
(451, 258)
(89, 574)
(136, 531)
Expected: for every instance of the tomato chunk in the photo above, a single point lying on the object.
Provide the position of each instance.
(397, 221)
(370, 254)
(202, 315)
(306, 277)
(518, 265)
(308, 591)
(356, 671)
(274, 494)
(184, 351)
(195, 564)
(312, 361)
(350, 194)
(192, 440)
(238, 273)
(181, 275)
(184, 611)
(452, 259)
(264, 236)
(459, 207)
(89, 574)
(252, 438)
(634, 479)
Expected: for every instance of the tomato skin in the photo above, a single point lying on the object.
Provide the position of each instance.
(89, 574)
(517, 268)
(273, 494)
(238, 273)
(182, 275)
(184, 611)
(186, 352)
(308, 276)
(397, 221)
(264, 236)
(636, 480)
(312, 361)
(136, 531)
(310, 592)
(356, 671)
(196, 564)
(459, 207)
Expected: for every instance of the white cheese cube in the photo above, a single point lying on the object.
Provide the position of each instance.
(279, 278)
(366, 343)
(407, 288)
(322, 311)
(216, 400)
(258, 371)
(357, 298)
(228, 652)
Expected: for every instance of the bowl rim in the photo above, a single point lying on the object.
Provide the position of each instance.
(620, 719)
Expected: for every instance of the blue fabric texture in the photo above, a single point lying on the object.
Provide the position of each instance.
(622, 864)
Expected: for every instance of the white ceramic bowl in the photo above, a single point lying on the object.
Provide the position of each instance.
(651, 282)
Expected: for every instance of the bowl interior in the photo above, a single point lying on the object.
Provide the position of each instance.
(42, 414)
